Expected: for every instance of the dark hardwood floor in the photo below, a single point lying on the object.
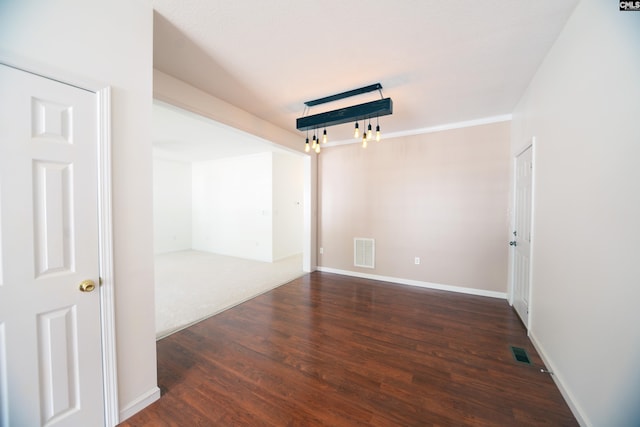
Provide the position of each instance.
(331, 350)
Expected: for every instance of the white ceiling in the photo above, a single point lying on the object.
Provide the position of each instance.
(440, 61)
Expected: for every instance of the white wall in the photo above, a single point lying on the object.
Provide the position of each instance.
(232, 206)
(171, 205)
(246, 206)
(583, 107)
(110, 43)
(176, 92)
(288, 195)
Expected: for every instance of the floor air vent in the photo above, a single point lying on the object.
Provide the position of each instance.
(364, 252)
(520, 355)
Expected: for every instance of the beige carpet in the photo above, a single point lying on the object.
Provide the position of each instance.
(193, 285)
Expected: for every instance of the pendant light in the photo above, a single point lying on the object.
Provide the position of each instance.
(350, 114)
(307, 148)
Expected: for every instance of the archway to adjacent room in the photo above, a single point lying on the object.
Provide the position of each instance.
(228, 216)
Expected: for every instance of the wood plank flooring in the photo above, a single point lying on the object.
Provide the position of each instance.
(331, 350)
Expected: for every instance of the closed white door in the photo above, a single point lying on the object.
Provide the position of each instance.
(521, 239)
(50, 344)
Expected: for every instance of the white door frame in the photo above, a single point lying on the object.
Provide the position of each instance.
(532, 145)
(105, 231)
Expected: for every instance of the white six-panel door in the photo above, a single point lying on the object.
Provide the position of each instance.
(521, 241)
(50, 344)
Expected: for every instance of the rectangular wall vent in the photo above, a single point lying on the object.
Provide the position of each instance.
(364, 252)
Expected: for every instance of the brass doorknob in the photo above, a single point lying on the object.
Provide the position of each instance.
(87, 286)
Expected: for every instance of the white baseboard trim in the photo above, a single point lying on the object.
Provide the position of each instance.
(418, 283)
(557, 379)
(140, 403)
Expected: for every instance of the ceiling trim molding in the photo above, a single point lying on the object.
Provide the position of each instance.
(439, 128)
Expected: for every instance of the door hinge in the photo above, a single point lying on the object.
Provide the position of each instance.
(99, 281)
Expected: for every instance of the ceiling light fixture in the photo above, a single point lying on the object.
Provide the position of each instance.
(307, 148)
(354, 113)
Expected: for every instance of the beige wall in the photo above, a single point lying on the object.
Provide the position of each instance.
(583, 107)
(108, 43)
(440, 196)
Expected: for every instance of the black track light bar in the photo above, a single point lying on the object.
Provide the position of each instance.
(368, 110)
(343, 95)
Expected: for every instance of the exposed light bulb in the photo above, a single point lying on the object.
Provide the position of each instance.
(378, 133)
(369, 132)
(318, 149)
(306, 146)
(324, 137)
(364, 140)
(356, 132)
(315, 142)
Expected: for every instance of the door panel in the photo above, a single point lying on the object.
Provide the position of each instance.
(53, 187)
(58, 363)
(522, 234)
(51, 359)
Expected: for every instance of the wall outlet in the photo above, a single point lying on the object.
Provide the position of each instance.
(321, 251)
(417, 260)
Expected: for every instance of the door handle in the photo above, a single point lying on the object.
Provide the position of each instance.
(513, 243)
(87, 286)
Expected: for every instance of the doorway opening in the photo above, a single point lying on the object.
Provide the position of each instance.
(228, 216)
